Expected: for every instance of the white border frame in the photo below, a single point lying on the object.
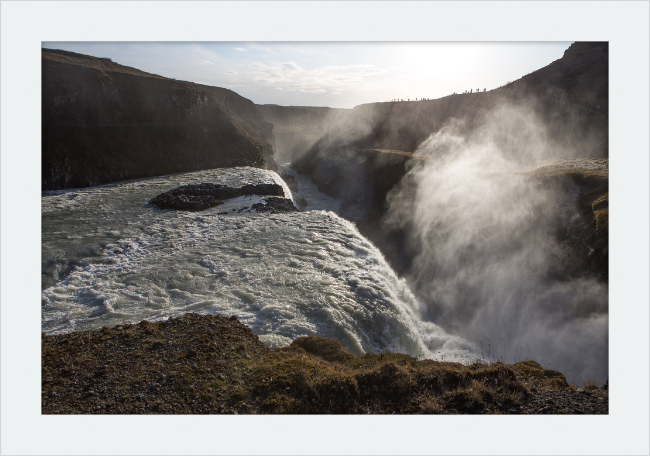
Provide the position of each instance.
(26, 24)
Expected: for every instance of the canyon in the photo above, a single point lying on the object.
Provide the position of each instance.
(486, 212)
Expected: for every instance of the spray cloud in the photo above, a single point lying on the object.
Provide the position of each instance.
(489, 264)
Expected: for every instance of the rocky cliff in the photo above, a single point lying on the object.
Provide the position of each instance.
(365, 151)
(581, 76)
(103, 122)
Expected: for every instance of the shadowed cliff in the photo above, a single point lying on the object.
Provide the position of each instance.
(103, 122)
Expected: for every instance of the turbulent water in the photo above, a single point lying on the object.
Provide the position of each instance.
(309, 191)
(109, 257)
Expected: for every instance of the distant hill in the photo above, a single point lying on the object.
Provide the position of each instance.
(104, 122)
(297, 128)
(297, 117)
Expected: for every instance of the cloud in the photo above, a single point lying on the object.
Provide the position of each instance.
(289, 76)
(281, 72)
(329, 68)
(312, 90)
(231, 72)
(240, 49)
(372, 71)
(290, 66)
(205, 62)
(341, 76)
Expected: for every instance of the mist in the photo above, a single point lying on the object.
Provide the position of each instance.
(488, 263)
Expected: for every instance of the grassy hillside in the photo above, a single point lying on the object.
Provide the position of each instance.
(213, 364)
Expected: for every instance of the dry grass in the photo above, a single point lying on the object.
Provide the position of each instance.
(212, 364)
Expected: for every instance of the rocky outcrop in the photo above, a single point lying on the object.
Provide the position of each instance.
(584, 229)
(198, 197)
(103, 122)
(275, 205)
(580, 76)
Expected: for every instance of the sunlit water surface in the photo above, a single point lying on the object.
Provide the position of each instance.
(109, 257)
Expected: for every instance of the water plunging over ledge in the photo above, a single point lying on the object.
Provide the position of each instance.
(109, 257)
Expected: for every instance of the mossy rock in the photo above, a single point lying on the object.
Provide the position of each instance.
(546, 378)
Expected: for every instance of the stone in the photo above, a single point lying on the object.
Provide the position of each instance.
(199, 197)
(275, 205)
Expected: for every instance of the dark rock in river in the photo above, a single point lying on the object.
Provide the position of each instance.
(198, 197)
(275, 205)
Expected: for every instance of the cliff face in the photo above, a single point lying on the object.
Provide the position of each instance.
(561, 98)
(103, 122)
(581, 75)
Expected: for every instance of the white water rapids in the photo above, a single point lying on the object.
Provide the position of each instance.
(109, 257)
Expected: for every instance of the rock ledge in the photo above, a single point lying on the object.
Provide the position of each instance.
(199, 197)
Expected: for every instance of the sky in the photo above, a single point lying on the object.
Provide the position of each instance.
(333, 74)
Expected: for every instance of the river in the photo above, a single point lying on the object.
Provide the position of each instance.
(109, 257)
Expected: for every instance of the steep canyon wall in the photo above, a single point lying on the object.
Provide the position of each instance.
(103, 122)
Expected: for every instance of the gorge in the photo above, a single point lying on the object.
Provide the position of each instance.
(468, 228)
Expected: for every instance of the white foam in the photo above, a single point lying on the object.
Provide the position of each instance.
(285, 275)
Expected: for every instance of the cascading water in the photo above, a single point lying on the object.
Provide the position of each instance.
(315, 199)
(109, 257)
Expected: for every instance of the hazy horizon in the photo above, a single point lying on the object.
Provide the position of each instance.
(332, 74)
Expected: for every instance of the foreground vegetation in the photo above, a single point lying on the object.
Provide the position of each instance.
(213, 364)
